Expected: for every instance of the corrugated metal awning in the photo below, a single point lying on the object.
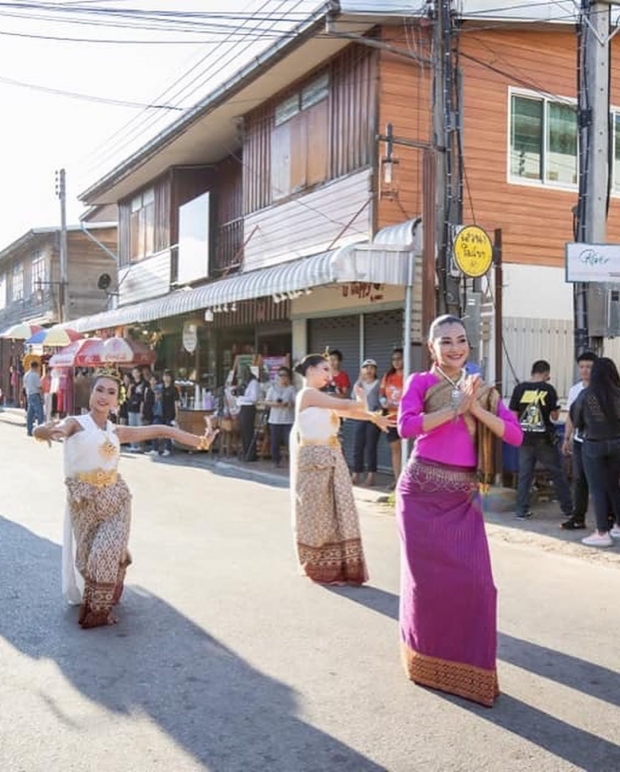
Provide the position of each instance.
(362, 263)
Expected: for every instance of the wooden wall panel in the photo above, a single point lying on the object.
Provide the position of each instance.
(148, 278)
(536, 220)
(330, 215)
(405, 102)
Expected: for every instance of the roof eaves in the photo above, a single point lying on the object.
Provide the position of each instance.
(241, 78)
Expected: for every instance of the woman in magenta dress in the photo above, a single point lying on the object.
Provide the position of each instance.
(448, 598)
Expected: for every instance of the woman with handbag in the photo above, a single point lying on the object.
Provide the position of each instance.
(448, 598)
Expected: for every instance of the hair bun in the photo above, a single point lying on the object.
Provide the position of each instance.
(299, 368)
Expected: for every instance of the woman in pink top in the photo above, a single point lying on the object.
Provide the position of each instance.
(448, 598)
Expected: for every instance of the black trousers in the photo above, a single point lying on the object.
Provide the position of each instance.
(601, 461)
(365, 446)
(278, 436)
(247, 415)
(580, 483)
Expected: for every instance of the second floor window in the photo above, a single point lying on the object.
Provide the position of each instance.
(3, 291)
(37, 273)
(299, 141)
(17, 288)
(143, 224)
(543, 141)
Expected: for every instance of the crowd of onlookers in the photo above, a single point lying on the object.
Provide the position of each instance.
(591, 440)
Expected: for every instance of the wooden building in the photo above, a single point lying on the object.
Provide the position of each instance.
(305, 242)
(30, 281)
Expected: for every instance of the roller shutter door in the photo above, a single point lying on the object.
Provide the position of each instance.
(342, 333)
(382, 332)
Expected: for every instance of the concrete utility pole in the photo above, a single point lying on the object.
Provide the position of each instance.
(63, 293)
(446, 126)
(591, 301)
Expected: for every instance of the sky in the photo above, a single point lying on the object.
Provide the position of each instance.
(42, 129)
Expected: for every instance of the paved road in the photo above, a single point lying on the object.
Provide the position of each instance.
(224, 659)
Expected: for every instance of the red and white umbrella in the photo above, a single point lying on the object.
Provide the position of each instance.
(92, 352)
(68, 356)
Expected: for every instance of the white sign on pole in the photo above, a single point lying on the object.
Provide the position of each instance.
(593, 263)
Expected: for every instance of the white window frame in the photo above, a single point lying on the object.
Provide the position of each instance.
(37, 272)
(17, 272)
(544, 182)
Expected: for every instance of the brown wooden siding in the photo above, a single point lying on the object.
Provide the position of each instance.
(187, 183)
(257, 159)
(405, 102)
(228, 243)
(536, 220)
(352, 110)
(336, 135)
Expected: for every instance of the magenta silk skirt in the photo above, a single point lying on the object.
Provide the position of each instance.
(448, 600)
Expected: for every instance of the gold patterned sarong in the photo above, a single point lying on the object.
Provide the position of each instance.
(100, 517)
(326, 523)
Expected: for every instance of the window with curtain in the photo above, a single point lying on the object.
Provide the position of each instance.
(543, 141)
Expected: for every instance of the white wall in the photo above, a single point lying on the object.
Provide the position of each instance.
(536, 291)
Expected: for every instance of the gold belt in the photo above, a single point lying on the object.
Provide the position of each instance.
(100, 478)
(332, 441)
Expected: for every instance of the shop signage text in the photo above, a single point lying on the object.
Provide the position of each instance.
(360, 289)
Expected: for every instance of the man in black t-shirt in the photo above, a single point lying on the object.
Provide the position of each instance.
(535, 403)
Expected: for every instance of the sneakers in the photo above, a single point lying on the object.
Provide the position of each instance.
(153, 453)
(524, 515)
(166, 452)
(615, 532)
(573, 524)
(598, 540)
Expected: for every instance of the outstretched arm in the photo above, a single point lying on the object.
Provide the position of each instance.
(137, 434)
(54, 431)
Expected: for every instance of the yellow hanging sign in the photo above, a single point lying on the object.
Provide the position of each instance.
(473, 251)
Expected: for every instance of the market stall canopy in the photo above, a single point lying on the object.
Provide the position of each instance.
(54, 336)
(21, 331)
(92, 352)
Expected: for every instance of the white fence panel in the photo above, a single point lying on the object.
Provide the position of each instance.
(526, 340)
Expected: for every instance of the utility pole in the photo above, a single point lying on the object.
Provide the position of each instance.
(63, 293)
(446, 128)
(591, 301)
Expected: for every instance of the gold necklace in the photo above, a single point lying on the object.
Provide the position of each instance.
(107, 449)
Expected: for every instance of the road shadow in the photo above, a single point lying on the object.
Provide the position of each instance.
(157, 662)
(577, 746)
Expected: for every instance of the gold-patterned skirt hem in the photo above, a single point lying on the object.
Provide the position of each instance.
(341, 562)
(472, 683)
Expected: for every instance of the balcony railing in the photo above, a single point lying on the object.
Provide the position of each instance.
(228, 247)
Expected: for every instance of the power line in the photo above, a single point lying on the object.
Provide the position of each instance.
(87, 97)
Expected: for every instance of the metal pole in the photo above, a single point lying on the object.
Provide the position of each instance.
(61, 192)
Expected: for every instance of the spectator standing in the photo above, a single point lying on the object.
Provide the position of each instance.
(573, 446)
(281, 401)
(247, 414)
(597, 418)
(535, 403)
(148, 405)
(34, 397)
(390, 394)
(340, 383)
(123, 415)
(135, 403)
(170, 399)
(367, 434)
